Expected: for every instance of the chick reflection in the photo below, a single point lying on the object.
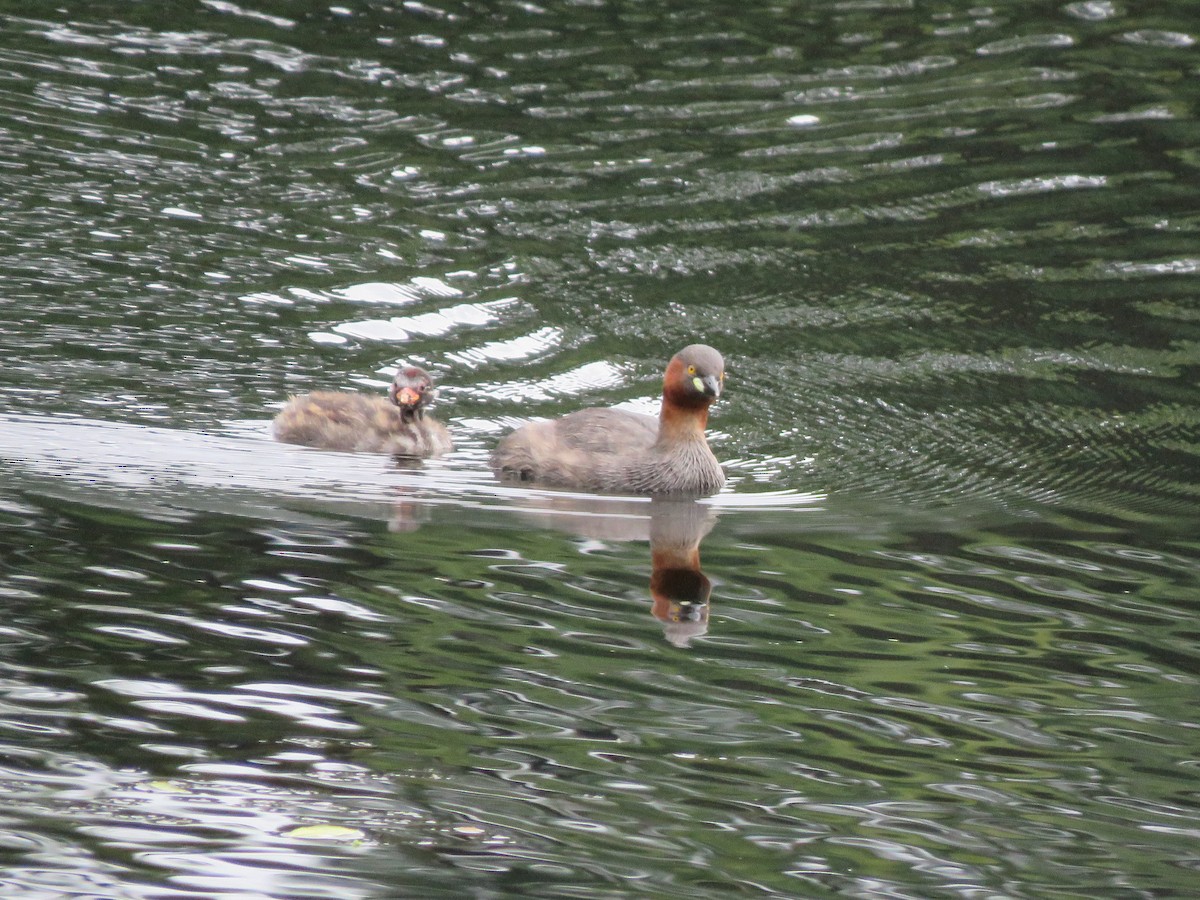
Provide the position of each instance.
(675, 527)
(408, 512)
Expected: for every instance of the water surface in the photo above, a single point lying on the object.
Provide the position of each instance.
(941, 638)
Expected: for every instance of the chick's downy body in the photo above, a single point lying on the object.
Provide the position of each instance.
(338, 420)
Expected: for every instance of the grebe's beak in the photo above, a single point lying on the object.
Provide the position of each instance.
(709, 385)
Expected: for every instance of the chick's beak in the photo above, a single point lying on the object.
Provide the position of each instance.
(406, 396)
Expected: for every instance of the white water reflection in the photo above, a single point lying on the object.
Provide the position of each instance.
(244, 468)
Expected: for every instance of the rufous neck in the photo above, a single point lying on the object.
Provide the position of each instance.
(681, 423)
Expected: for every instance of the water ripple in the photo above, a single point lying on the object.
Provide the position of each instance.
(949, 255)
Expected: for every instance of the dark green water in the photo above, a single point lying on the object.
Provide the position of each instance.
(950, 253)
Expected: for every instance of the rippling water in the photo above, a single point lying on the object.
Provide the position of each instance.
(942, 639)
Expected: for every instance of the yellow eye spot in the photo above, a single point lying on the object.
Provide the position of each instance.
(691, 370)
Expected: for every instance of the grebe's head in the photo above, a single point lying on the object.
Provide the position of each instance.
(694, 377)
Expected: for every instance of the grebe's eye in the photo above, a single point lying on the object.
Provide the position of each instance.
(691, 370)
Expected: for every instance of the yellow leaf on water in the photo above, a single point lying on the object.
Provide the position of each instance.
(167, 787)
(326, 833)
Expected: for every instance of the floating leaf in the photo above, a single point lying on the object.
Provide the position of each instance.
(167, 787)
(326, 833)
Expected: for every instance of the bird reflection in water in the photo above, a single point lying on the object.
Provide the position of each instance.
(679, 588)
(409, 513)
(674, 527)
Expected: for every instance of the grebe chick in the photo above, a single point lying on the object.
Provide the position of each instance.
(337, 420)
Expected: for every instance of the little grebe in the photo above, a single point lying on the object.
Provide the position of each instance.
(334, 420)
(614, 451)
